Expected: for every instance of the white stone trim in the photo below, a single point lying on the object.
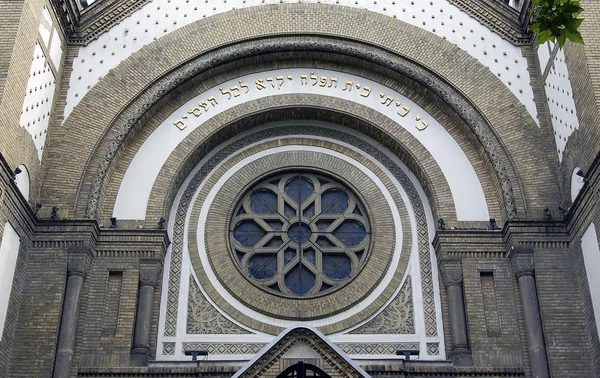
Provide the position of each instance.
(9, 252)
(413, 267)
(466, 189)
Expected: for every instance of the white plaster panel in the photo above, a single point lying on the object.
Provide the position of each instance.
(544, 52)
(45, 26)
(161, 17)
(576, 183)
(22, 181)
(591, 257)
(9, 251)
(560, 102)
(39, 97)
(56, 49)
(466, 189)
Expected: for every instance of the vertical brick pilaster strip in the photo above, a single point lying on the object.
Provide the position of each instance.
(521, 259)
(78, 264)
(140, 353)
(453, 279)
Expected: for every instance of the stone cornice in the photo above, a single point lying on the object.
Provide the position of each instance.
(142, 243)
(457, 243)
(106, 243)
(410, 368)
(503, 20)
(82, 27)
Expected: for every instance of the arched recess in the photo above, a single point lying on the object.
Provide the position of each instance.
(98, 125)
(292, 110)
(313, 107)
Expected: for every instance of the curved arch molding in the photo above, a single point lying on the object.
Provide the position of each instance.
(217, 178)
(139, 82)
(467, 193)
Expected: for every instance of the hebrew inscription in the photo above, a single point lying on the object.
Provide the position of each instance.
(322, 84)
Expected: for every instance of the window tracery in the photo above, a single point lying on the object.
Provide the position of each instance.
(300, 234)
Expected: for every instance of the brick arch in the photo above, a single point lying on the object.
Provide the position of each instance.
(124, 97)
(338, 111)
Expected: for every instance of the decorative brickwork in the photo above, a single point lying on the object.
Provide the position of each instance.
(117, 269)
(430, 316)
(374, 348)
(220, 348)
(203, 318)
(96, 161)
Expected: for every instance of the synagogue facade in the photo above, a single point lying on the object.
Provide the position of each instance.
(275, 188)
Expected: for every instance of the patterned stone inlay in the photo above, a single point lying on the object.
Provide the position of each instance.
(374, 348)
(203, 318)
(219, 348)
(168, 349)
(433, 349)
(396, 318)
(219, 156)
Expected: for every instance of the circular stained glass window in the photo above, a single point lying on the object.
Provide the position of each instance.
(300, 234)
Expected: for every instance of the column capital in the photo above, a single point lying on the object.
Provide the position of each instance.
(521, 260)
(149, 271)
(79, 260)
(451, 272)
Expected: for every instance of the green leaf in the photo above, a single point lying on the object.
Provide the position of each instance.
(562, 38)
(575, 37)
(557, 20)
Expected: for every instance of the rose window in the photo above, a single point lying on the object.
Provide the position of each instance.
(300, 234)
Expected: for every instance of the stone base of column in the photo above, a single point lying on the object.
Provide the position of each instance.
(461, 358)
(139, 356)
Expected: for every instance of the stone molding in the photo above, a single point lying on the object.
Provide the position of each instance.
(507, 22)
(451, 272)
(79, 260)
(131, 116)
(260, 365)
(279, 306)
(182, 206)
(82, 27)
(144, 100)
(521, 260)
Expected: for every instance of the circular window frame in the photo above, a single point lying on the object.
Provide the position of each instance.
(231, 291)
(283, 176)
